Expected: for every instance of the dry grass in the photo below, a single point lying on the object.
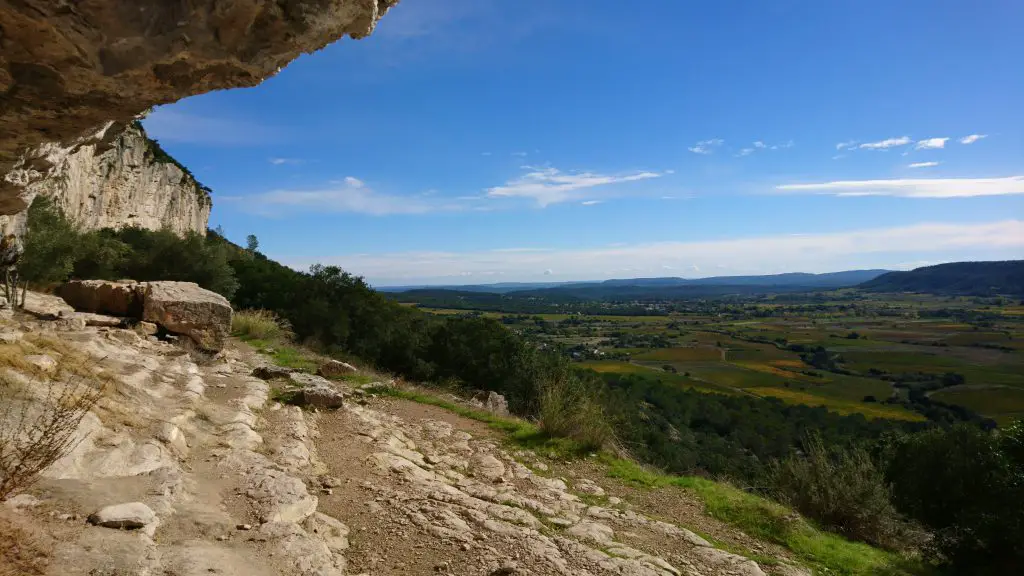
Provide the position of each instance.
(22, 548)
(261, 325)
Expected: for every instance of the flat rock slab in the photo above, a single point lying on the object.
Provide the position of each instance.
(129, 515)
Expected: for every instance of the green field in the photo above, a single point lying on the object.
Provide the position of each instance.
(756, 348)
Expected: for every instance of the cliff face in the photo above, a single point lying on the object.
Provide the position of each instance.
(118, 177)
(68, 68)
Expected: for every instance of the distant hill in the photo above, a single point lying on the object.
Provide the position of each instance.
(790, 280)
(956, 278)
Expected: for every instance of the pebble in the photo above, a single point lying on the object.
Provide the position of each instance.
(244, 526)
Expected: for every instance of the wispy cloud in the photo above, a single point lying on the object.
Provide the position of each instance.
(931, 143)
(760, 145)
(519, 154)
(972, 138)
(549, 185)
(350, 195)
(761, 254)
(922, 164)
(914, 187)
(706, 146)
(885, 144)
(848, 145)
(839, 156)
(592, 202)
(283, 161)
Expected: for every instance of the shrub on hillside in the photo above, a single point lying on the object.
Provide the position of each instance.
(842, 490)
(967, 485)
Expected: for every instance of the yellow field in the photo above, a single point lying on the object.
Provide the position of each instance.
(840, 406)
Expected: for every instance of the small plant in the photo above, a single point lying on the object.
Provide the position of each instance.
(261, 325)
(36, 432)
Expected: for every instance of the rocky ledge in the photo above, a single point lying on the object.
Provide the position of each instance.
(67, 69)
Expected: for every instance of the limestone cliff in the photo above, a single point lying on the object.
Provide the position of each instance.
(67, 68)
(118, 177)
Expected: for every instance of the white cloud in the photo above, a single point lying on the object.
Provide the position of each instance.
(848, 145)
(886, 144)
(972, 138)
(551, 186)
(745, 152)
(759, 144)
(282, 161)
(592, 202)
(548, 272)
(348, 195)
(931, 143)
(922, 165)
(519, 154)
(706, 146)
(764, 254)
(839, 156)
(914, 187)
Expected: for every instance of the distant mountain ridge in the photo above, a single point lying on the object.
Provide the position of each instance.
(789, 280)
(956, 278)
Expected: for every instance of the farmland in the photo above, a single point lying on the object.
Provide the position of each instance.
(879, 355)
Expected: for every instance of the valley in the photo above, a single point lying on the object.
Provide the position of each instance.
(885, 355)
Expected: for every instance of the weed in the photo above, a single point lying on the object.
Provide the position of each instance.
(35, 432)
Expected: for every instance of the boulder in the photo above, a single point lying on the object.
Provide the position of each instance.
(185, 308)
(104, 297)
(46, 306)
(335, 369)
(128, 515)
(496, 404)
(271, 372)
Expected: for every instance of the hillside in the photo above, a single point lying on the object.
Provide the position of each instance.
(956, 278)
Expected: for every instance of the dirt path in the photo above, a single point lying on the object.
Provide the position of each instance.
(427, 491)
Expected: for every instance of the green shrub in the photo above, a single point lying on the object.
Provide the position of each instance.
(967, 485)
(843, 491)
(51, 244)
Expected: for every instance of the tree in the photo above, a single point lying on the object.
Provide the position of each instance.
(252, 244)
(51, 244)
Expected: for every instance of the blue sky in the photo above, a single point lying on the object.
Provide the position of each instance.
(475, 141)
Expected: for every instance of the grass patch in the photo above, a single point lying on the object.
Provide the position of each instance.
(766, 520)
(520, 432)
(261, 324)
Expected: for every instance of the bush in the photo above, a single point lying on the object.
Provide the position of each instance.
(51, 244)
(842, 490)
(569, 408)
(261, 325)
(36, 432)
(967, 485)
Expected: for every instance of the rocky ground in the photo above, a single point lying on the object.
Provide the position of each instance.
(188, 466)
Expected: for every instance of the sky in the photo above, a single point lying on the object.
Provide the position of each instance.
(480, 141)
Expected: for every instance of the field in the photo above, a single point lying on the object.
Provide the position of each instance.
(883, 356)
